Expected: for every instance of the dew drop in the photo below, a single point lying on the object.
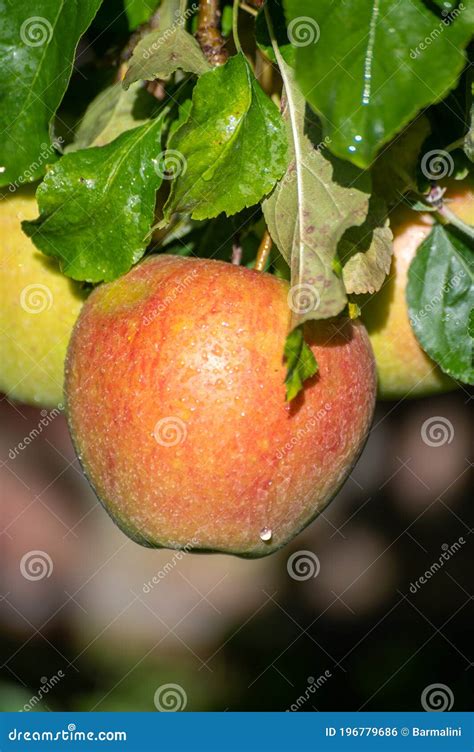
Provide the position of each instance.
(265, 534)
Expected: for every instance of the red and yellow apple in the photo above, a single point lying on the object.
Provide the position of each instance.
(176, 404)
(403, 368)
(39, 308)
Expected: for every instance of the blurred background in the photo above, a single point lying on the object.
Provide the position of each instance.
(337, 620)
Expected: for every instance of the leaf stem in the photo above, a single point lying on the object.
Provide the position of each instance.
(446, 217)
(235, 25)
(263, 252)
(209, 34)
(455, 144)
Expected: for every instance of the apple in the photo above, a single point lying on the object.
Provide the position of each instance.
(403, 368)
(39, 309)
(176, 405)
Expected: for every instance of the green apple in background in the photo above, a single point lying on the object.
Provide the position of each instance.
(39, 309)
(403, 368)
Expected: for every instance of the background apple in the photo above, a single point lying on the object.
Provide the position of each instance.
(39, 308)
(176, 403)
(403, 368)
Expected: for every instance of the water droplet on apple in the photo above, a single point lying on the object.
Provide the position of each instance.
(265, 534)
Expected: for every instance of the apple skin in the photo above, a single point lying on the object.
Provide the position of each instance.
(403, 368)
(39, 309)
(176, 405)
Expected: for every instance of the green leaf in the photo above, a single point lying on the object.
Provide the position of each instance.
(394, 171)
(368, 250)
(440, 295)
(232, 147)
(111, 113)
(139, 11)
(97, 205)
(162, 52)
(311, 207)
(366, 67)
(300, 361)
(37, 48)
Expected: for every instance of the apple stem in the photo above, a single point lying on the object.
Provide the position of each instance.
(209, 34)
(263, 252)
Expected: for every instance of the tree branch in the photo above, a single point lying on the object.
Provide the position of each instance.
(209, 34)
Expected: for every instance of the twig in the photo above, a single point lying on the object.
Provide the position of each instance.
(263, 252)
(248, 9)
(209, 34)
